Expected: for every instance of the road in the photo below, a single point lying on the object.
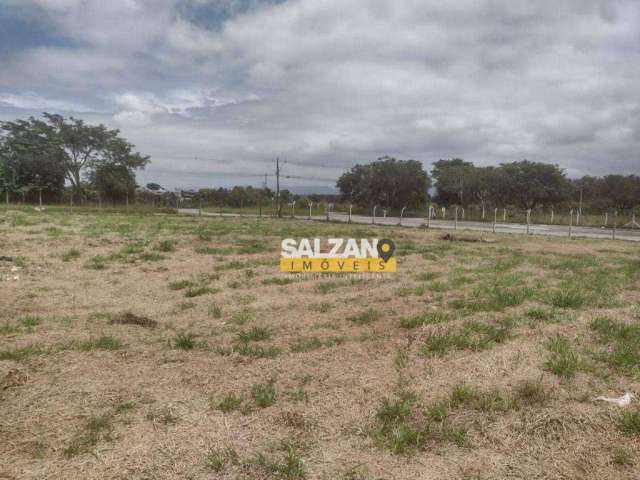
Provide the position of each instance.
(537, 229)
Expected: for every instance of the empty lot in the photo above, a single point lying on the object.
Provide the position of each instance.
(153, 346)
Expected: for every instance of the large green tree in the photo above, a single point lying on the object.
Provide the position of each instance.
(32, 159)
(527, 184)
(88, 148)
(387, 182)
(47, 152)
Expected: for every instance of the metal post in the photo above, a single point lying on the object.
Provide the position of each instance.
(401, 214)
(552, 216)
(570, 221)
(310, 207)
(429, 216)
(495, 218)
(462, 213)
(350, 208)
(504, 214)
(606, 218)
(615, 224)
(482, 211)
(373, 215)
(455, 219)
(293, 209)
(528, 220)
(444, 212)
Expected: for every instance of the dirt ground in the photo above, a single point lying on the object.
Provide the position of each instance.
(164, 347)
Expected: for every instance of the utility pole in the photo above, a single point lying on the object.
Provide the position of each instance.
(278, 186)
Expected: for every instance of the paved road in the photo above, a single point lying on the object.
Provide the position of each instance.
(538, 229)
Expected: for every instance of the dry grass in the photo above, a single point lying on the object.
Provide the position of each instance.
(476, 360)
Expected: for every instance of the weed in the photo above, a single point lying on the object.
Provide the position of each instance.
(365, 318)
(98, 262)
(218, 459)
(395, 431)
(255, 334)
(423, 319)
(264, 395)
(290, 467)
(243, 316)
(96, 428)
(229, 403)
(322, 307)
(568, 298)
(166, 246)
(256, 351)
(629, 423)
(563, 361)
(181, 284)
(70, 254)
(622, 456)
(105, 342)
(531, 393)
(215, 311)
(164, 415)
(22, 353)
(326, 287)
(185, 341)
(197, 291)
(277, 281)
(31, 321)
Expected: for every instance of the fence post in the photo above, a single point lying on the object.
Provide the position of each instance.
(373, 215)
(401, 213)
(615, 224)
(455, 219)
(570, 221)
(495, 217)
(350, 209)
(429, 216)
(483, 211)
(310, 207)
(293, 209)
(528, 220)
(606, 218)
(552, 216)
(462, 213)
(444, 212)
(504, 214)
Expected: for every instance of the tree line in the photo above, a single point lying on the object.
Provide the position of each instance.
(54, 155)
(392, 183)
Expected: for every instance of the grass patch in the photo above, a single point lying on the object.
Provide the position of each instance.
(96, 428)
(365, 318)
(255, 334)
(31, 321)
(564, 361)
(22, 353)
(105, 342)
(185, 341)
(229, 403)
(430, 318)
(70, 254)
(629, 423)
(218, 459)
(471, 336)
(264, 394)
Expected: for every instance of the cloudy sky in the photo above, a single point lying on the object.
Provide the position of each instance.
(214, 90)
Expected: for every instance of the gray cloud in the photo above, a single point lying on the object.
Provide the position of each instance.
(334, 83)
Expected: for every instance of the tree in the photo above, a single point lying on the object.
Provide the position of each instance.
(529, 184)
(113, 182)
(452, 178)
(88, 148)
(32, 160)
(387, 182)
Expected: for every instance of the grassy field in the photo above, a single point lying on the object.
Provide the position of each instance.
(152, 346)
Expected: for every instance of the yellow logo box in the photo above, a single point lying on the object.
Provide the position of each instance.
(338, 265)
